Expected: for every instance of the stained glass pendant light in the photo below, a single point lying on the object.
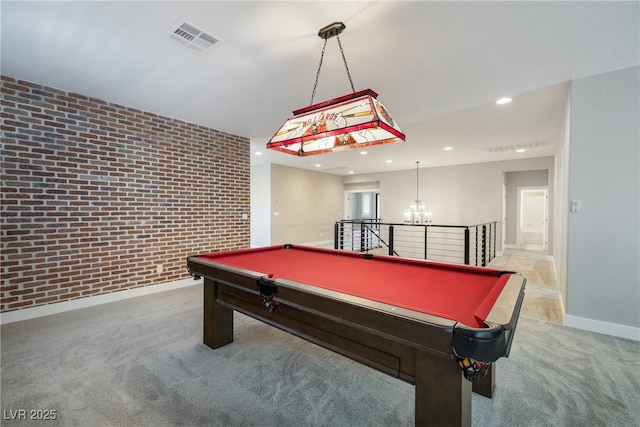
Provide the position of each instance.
(351, 121)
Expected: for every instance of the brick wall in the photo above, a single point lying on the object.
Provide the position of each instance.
(96, 195)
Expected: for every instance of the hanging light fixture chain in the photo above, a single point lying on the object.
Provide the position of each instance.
(345, 64)
(313, 94)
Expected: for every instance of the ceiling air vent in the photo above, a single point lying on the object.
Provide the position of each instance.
(191, 37)
(526, 145)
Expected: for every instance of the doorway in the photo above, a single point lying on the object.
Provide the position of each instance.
(362, 205)
(360, 229)
(533, 218)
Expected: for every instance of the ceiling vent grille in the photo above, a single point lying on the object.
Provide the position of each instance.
(514, 147)
(192, 38)
(335, 169)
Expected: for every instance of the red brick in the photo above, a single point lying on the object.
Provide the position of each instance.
(107, 192)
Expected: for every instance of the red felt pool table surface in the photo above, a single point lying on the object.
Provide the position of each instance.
(461, 293)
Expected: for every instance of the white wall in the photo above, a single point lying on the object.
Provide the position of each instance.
(309, 203)
(603, 270)
(260, 212)
(457, 195)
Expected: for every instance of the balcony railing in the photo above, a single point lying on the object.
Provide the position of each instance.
(460, 244)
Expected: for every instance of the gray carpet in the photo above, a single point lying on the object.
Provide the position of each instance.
(141, 362)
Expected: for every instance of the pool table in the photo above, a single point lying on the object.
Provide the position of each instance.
(434, 325)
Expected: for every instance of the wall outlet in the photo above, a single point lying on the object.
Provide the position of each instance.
(159, 268)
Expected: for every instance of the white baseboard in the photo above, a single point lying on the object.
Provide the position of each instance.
(61, 307)
(598, 326)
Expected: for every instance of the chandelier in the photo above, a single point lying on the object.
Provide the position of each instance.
(351, 121)
(417, 214)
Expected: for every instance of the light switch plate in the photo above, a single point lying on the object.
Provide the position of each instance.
(575, 206)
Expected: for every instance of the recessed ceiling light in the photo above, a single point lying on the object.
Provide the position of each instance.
(520, 150)
(448, 148)
(258, 153)
(503, 101)
(364, 153)
(351, 172)
(389, 161)
(318, 165)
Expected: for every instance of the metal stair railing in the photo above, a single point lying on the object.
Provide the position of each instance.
(462, 244)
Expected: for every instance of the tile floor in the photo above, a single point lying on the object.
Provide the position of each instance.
(542, 298)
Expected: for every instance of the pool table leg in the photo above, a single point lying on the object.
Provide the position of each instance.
(486, 384)
(443, 396)
(218, 319)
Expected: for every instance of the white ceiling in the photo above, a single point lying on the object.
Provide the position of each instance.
(438, 66)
